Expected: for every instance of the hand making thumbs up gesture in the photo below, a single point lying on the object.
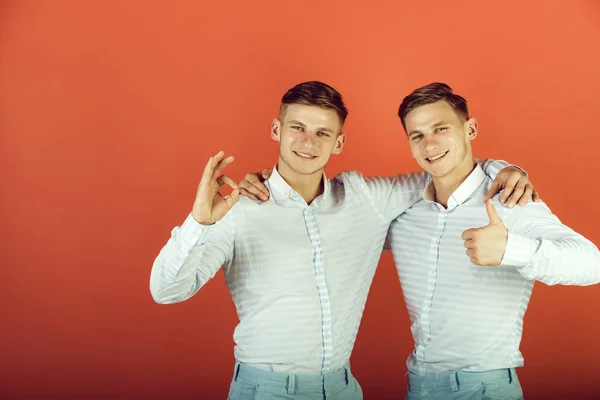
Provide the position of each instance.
(486, 245)
(210, 206)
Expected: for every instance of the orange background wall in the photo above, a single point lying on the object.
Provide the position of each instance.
(110, 109)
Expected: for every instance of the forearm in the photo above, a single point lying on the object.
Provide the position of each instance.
(190, 258)
(567, 261)
(544, 249)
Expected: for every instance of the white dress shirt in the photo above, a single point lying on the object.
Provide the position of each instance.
(298, 274)
(468, 317)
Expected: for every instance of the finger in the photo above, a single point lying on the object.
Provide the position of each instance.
(225, 180)
(260, 191)
(244, 192)
(536, 195)
(470, 253)
(233, 198)
(253, 178)
(468, 234)
(494, 189)
(526, 196)
(219, 156)
(208, 169)
(266, 173)
(254, 183)
(469, 244)
(511, 182)
(517, 193)
(491, 212)
(475, 261)
(220, 166)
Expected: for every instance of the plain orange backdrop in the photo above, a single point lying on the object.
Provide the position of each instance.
(110, 109)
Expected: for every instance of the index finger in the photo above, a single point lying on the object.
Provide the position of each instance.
(258, 189)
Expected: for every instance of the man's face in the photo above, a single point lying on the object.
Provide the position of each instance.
(307, 136)
(440, 140)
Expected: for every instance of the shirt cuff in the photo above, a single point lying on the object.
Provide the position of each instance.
(193, 233)
(519, 251)
(494, 167)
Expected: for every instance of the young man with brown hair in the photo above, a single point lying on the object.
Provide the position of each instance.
(290, 263)
(467, 320)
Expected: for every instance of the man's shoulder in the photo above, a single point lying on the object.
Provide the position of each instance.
(349, 176)
(414, 181)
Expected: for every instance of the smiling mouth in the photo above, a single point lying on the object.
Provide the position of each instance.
(304, 155)
(436, 158)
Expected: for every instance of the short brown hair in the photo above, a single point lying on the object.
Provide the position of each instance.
(315, 93)
(429, 94)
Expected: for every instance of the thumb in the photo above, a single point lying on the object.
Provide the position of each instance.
(491, 212)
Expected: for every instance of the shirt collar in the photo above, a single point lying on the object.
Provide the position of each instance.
(463, 192)
(278, 184)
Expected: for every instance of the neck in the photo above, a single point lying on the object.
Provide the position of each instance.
(308, 186)
(447, 184)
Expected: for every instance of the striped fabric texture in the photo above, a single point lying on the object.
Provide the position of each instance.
(298, 274)
(466, 317)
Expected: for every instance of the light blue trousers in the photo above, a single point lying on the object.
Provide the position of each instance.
(251, 383)
(501, 384)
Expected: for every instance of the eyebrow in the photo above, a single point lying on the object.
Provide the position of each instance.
(439, 123)
(321, 129)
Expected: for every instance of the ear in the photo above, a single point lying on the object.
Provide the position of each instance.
(472, 128)
(340, 141)
(276, 129)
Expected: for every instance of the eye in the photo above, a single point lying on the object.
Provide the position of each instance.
(297, 128)
(440, 129)
(321, 133)
(416, 137)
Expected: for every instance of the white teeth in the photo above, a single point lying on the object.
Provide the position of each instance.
(437, 157)
(304, 155)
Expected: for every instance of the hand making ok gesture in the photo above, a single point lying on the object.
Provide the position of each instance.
(210, 206)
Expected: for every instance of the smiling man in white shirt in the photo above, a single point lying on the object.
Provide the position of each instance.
(290, 263)
(467, 268)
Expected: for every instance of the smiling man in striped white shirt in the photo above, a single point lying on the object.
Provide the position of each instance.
(290, 263)
(467, 268)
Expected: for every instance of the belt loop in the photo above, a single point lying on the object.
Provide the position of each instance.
(346, 375)
(509, 376)
(454, 382)
(237, 372)
(291, 384)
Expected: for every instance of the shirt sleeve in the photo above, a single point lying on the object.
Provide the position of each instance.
(493, 167)
(392, 196)
(191, 257)
(541, 248)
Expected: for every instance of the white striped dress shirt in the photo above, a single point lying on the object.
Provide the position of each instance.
(468, 317)
(298, 274)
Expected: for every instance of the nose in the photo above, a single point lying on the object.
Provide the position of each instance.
(430, 143)
(307, 140)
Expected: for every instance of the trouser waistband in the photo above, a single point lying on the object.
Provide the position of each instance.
(457, 378)
(293, 382)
